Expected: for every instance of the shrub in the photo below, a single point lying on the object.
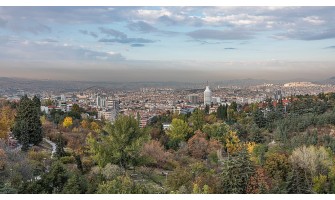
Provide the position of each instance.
(67, 159)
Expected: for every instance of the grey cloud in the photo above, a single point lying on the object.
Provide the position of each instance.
(142, 27)
(230, 48)
(204, 42)
(127, 40)
(220, 34)
(35, 28)
(167, 20)
(254, 18)
(90, 33)
(137, 45)
(307, 35)
(330, 47)
(120, 37)
(113, 33)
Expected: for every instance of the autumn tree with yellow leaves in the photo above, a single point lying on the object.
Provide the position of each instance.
(233, 143)
(67, 122)
(7, 116)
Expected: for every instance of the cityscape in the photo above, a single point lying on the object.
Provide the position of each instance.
(167, 100)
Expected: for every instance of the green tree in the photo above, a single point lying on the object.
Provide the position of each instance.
(121, 145)
(60, 144)
(197, 119)
(121, 185)
(76, 184)
(207, 109)
(236, 173)
(37, 104)
(178, 132)
(76, 108)
(297, 182)
(217, 131)
(27, 126)
(79, 163)
(233, 106)
(259, 118)
(221, 112)
(51, 182)
(255, 134)
(56, 178)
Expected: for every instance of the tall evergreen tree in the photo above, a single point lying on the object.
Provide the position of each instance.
(60, 143)
(207, 109)
(236, 173)
(27, 126)
(76, 184)
(259, 118)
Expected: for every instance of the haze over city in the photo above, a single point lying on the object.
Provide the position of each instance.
(167, 43)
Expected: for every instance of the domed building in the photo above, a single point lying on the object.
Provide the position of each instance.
(207, 96)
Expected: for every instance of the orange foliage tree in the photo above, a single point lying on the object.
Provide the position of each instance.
(259, 183)
(197, 145)
(154, 151)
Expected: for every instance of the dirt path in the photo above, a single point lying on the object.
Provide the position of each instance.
(53, 146)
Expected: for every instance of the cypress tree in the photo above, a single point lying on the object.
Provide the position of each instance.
(27, 127)
(236, 173)
(60, 152)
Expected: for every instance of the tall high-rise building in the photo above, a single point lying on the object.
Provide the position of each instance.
(113, 104)
(207, 96)
(98, 101)
(278, 95)
(63, 98)
(193, 98)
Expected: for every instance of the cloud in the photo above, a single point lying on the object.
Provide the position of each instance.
(90, 33)
(120, 37)
(113, 33)
(230, 48)
(137, 45)
(204, 42)
(127, 40)
(28, 26)
(307, 34)
(141, 26)
(220, 34)
(315, 20)
(330, 47)
(51, 51)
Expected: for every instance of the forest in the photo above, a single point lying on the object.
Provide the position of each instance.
(271, 147)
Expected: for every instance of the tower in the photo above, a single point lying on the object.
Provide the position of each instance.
(207, 96)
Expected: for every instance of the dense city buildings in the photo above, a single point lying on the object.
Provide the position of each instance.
(147, 102)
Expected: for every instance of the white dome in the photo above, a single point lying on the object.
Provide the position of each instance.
(207, 89)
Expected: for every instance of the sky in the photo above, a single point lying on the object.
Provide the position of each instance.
(158, 43)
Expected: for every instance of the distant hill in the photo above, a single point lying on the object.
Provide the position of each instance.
(330, 81)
